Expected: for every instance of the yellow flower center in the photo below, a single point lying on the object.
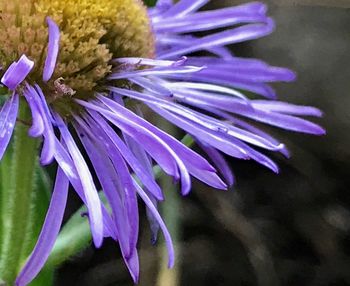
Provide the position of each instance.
(92, 33)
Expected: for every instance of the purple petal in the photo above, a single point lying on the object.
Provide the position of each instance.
(49, 147)
(92, 199)
(170, 40)
(8, 116)
(44, 104)
(280, 120)
(133, 265)
(17, 72)
(167, 3)
(287, 108)
(146, 162)
(155, 71)
(66, 164)
(220, 163)
(206, 121)
(262, 159)
(207, 177)
(185, 153)
(37, 129)
(237, 35)
(244, 70)
(196, 165)
(111, 182)
(250, 75)
(212, 138)
(206, 87)
(208, 20)
(110, 135)
(48, 232)
(149, 62)
(152, 221)
(52, 50)
(227, 80)
(163, 227)
(250, 128)
(184, 7)
(284, 121)
(163, 148)
(156, 147)
(152, 86)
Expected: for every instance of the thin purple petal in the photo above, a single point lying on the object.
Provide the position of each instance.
(92, 199)
(240, 34)
(66, 164)
(8, 116)
(36, 97)
(220, 162)
(109, 136)
(49, 231)
(156, 147)
(52, 50)
(154, 211)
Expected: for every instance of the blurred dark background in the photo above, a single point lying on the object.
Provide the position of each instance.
(287, 229)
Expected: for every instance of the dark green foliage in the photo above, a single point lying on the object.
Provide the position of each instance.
(150, 3)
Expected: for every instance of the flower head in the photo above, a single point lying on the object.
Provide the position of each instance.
(82, 67)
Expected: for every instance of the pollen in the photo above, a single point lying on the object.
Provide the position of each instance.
(92, 33)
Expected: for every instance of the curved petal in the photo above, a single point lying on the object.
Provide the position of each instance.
(92, 199)
(117, 185)
(155, 146)
(66, 164)
(17, 72)
(37, 97)
(48, 233)
(110, 139)
(220, 163)
(154, 211)
(52, 50)
(37, 129)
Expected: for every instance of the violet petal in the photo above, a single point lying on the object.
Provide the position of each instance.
(49, 231)
(92, 199)
(17, 72)
(52, 50)
(8, 116)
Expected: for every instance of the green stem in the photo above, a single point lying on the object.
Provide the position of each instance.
(171, 215)
(18, 179)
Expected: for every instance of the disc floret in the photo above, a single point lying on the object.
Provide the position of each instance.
(91, 34)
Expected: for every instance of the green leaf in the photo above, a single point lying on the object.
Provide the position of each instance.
(150, 3)
(17, 186)
(45, 278)
(40, 200)
(73, 238)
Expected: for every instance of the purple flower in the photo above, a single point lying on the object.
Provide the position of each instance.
(192, 81)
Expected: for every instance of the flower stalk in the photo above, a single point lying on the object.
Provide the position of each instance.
(172, 217)
(17, 183)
